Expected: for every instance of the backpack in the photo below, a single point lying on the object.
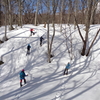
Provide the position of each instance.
(22, 75)
(28, 47)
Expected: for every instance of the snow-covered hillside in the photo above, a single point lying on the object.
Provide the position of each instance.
(45, 81)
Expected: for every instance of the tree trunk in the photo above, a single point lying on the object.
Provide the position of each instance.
(87, 24)
(76, 12)
(10, 16)
(6, 9)
(0, 13)
(5, 25)
(93, 12)
(48, 42)
(61, 14)
(20, 13)
(69, 11)
(36, 13)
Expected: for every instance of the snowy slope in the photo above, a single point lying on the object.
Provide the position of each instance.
(45, 80)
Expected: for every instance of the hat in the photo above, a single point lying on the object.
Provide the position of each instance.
(22, 70)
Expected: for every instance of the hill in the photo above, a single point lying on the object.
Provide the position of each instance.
(45, 80)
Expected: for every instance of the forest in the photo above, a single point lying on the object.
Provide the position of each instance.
(41, 11)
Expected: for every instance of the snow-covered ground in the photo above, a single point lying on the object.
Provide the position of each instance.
(45, 80)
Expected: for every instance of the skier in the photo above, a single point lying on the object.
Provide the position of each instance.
(22, 77)
(41, 38)
(31, 30)
(28, 49)
(66, 69)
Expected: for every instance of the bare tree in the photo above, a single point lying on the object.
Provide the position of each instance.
(5, 4)
(70, 9)
(93, 13)
(76, 2)
(20, 7)
(48, 22)
(10, 15)
(51, 8)
(85, 49)
(62, 8)
(36, 13)
(87, 24)
(0, 13)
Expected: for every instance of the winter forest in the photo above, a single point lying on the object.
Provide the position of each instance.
(70, 31)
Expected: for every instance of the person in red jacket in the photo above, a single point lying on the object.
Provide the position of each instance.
(31, 30)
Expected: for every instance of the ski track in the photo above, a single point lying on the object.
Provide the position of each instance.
(59, 95)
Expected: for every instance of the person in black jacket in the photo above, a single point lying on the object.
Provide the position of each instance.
(28, 49)
(41, 39)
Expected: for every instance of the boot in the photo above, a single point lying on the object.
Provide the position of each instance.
(24, 81)
(21, 84)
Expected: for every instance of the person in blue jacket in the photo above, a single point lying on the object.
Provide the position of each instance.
(66, 69)
(22, 77)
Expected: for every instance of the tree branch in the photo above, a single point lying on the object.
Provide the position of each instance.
(93, 42)
(78, 29)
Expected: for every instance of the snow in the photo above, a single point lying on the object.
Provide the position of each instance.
(45, 81)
